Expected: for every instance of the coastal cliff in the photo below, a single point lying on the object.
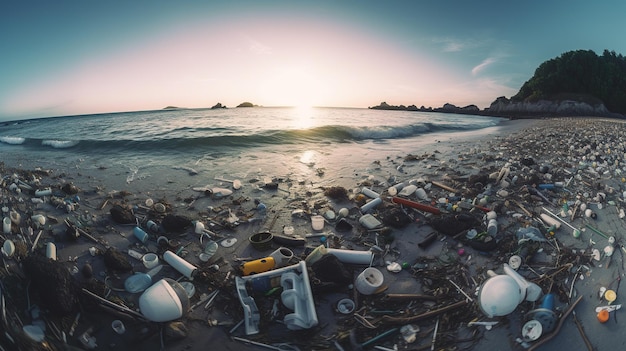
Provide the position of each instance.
(526, 109)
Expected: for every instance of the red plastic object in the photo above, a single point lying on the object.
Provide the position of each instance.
(416, 205)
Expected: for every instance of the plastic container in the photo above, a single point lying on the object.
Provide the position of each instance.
(370, 280)
(182, 266)
(316, 254)
(258, 266)
(140, 234)
(369, 221)
(261, 241)
(317, 222)
(371, 205)
(281, 257)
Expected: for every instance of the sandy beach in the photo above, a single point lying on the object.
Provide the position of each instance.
(577, 161)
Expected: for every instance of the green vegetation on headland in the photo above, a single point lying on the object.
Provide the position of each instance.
(577, 83)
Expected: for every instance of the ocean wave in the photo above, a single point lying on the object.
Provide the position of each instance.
(60, 144)
(195, 140)
(12, 140)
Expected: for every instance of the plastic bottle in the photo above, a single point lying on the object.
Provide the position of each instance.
(152, 226)
(393, 190)
(492, 227)
(370, 205)
(369, 193)
(140, 234)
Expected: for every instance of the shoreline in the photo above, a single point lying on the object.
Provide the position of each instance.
(450, 161)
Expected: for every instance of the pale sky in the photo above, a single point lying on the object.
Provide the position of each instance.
(80, 57)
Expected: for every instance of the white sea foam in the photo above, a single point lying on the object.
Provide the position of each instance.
(12, 140)
(59, 144)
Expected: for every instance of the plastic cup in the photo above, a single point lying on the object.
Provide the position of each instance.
(150, 260)
(317, 222)
(118, 326)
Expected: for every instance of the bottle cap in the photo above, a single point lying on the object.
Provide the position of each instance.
(603, 316)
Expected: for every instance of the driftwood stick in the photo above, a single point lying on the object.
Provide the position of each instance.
(445, 187)
(403, 320)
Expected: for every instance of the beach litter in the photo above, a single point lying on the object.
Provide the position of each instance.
(492, 237)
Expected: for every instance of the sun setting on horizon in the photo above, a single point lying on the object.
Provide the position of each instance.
(271, 54)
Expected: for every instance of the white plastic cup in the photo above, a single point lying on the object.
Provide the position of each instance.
(317, 222)
(178, 263)
(150, 260)
(51, 251)
(199, 227)
(6, 225)
(369, 281)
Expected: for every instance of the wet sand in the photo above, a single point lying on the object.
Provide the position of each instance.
(587, 154)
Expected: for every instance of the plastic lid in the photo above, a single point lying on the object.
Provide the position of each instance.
(532, 330)
(610, 295)
(137, 282)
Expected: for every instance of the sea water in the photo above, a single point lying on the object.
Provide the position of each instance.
(161, 147)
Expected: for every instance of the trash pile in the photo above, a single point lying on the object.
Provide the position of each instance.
(494, 238)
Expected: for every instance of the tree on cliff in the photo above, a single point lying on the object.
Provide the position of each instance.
(580, 75)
